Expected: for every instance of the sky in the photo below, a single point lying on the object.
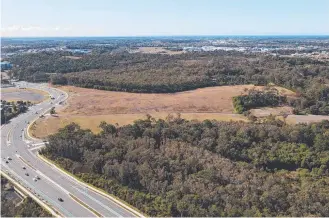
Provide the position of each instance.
(22, 18)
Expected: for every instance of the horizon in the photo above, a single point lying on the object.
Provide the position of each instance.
(151, 18)
(155, 36)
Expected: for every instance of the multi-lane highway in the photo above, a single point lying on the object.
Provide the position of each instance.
(53, 184)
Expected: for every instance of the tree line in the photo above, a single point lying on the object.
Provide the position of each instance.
(159, 73)
(10, 110)
(256, 98)
(175, 167)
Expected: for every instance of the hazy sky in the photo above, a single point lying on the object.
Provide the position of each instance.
(163, 17)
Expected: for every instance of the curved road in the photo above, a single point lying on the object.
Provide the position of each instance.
(53, 184)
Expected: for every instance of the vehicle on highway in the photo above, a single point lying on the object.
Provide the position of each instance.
(9, 158)
(34, 179)
(26, 174)
(37, 177)
(7, 161)
(60, 199)
(24, 168)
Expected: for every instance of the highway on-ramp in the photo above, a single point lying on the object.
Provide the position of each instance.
(78, 199)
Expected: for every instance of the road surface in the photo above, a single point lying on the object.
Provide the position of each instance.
(53, 184)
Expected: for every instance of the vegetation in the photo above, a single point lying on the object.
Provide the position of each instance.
(175, 167)
(256, 98)
(122, 71)
(28, 208)
(12, 109)
(52, 110)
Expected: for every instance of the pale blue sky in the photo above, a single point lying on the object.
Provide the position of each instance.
(163, 17)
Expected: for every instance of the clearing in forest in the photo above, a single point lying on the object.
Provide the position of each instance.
(88, 107)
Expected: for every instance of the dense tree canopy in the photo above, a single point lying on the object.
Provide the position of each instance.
(158, 73)
(190, 168)
(12, 109)
(256, 98)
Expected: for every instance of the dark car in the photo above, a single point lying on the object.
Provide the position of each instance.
(60, 199)
(7, 161)
(26, 174)
(24, 168)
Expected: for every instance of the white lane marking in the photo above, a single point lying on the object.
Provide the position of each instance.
(41, 194)
(97, 201)
(43, 175)
(8, 137)
(41, 143)
(37, 147)
(23, 137)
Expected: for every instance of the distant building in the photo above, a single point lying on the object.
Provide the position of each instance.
(5, 65)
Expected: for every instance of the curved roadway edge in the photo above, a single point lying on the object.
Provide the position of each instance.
(31, 123)
(98, 191)
(103, 193)
(27, 192)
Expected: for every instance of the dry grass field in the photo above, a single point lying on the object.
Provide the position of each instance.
(50, 125)
(88, 107)
(157, 50)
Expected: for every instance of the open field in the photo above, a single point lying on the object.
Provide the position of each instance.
(28, 94)
(266, 111)
(294, 119)
(157, 50)
(205, 100)
(88, 107)
(50, 124)
(72, 57)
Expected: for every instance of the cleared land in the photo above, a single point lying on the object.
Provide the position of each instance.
(266, 111)
(97, 102)
(157, 50)
(88, 107)
(72, 57)
(50, 125)
(28, 94)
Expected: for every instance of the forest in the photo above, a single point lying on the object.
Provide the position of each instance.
(13, 109)
(159, 73)
(28, 208)
(256, 98)
(175, 167)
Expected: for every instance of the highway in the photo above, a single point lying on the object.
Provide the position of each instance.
(53, 184)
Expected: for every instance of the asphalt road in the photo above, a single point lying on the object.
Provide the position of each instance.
(53, 184)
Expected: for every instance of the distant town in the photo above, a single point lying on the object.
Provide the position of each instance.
(315, 47)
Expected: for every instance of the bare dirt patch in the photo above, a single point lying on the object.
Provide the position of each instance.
(72, 57)
(276, 111)
(28, 94)
(157, 50)
(294, 119)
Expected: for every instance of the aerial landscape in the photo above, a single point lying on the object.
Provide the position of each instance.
(161, 109)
